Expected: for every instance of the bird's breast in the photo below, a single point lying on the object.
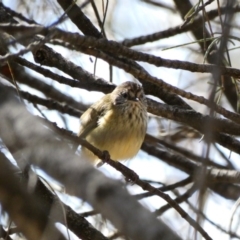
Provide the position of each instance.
(120, 131)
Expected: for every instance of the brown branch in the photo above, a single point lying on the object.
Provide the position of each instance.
(5, 234)
(149, 139)
(74, 221)
(48, 90)
(131, 175)
(116, 48)
(15, 14)
(39, 147)
(23, 208)
(196, 24)
(79, 19)
(191, 168)
(193, 119)
(166, 188)
(202, 33)
(175, 160)
(190, 118)
(158, 4)
(149, 88)
(95, 85)
(179, 200)
(50, 104)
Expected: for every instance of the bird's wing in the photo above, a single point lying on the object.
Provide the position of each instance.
(89, 119)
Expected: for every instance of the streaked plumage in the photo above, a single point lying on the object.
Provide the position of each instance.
(117, 122)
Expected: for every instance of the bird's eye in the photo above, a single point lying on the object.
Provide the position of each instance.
(125, 95)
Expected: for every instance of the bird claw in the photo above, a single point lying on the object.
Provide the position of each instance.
(106, 157)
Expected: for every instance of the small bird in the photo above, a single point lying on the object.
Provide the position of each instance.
(116, 123)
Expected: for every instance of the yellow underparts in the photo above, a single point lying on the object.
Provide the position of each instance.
(121, 136)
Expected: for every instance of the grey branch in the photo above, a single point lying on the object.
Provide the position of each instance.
(35, 144)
